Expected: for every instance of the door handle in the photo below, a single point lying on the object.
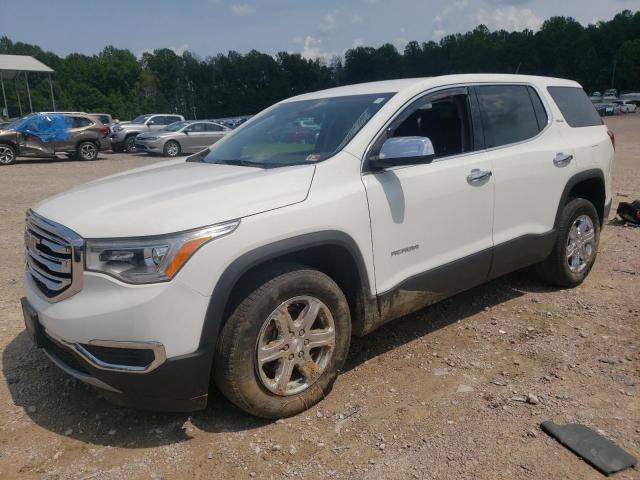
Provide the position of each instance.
(562, 159)
(476, 175)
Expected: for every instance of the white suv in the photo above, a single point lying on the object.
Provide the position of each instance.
(253, 262)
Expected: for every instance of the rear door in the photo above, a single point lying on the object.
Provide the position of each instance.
(213, 133)
(531, 165)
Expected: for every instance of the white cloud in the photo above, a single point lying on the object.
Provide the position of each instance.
(356, 19)
(438, 34)
(509, 18)
(242, 9)
(312, 49)
(328, 23)
(357, 42)
(181, 49)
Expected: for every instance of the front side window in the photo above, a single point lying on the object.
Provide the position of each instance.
(444, 119)
(576, 108)
(508, 114)
(298, 132)
(140, 119)
(212, 127)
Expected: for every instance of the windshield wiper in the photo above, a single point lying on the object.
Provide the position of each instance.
(243, 163)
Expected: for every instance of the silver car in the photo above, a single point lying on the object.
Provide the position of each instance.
(181, 137)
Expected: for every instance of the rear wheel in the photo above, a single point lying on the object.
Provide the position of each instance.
(576, 246)
(87, 151)
(7, 154)
(130, 144)
(171, 148)
(281, 348)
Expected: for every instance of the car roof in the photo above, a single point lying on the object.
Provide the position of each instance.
(418, 84)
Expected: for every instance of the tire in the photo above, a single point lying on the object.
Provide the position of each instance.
(87, 151)
(579, 219)
(283, 292)
(172, 149)
(130, 144)
(7, 154)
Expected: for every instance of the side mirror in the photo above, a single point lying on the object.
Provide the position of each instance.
(185, 131)
(399, 151)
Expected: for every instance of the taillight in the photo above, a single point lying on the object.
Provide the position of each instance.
(104, 130)
(612, 137)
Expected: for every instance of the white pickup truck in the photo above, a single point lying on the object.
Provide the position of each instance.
(251, 264)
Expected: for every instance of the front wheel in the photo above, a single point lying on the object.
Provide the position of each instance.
(171, 148)
(7, 154)
(281, 348)
(576, 247)
(130, 144)
(87, 151)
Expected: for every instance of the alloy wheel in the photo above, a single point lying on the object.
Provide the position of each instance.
(6, 155)
(295, 345)
(88, 151)
(580, 244)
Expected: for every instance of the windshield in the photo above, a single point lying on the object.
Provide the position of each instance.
(295, 133)
(175, 126)
(140, 119)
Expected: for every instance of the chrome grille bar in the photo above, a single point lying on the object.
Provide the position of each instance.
(54, 258)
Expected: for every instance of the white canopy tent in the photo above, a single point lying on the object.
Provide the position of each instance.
(11, 66)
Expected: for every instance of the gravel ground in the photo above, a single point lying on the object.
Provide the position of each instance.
(439, 394)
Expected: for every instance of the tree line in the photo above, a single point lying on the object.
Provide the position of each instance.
(115, 81)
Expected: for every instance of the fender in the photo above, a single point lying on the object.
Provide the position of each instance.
(229, 278)
(596, 173)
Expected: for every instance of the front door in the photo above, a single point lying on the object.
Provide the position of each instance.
(432, 223)
(34, 137)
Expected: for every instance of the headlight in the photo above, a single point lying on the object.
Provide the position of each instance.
(150, 259)
(117, 128)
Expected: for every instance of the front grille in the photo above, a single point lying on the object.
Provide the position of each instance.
(53, 255)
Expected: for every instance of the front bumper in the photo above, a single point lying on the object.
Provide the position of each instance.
(152, 146)
(178, 384)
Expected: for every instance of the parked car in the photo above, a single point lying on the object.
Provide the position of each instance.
(625, 106)
(631, 97)
(607, 109)
(181, 137)
(105, 118)
(48, 134)
(253, 262)
(596, 97)
(124, 134)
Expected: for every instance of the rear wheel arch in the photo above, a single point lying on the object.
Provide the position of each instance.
(333, 253)
(588, 184)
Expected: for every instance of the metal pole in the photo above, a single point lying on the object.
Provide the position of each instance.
(26, 79)
(4, 97)
(18, 93)
(613, 73)
(53, 100)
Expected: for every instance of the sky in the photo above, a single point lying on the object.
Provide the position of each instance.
(314, 28)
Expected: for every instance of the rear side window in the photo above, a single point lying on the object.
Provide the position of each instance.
(576, 108)
(79, 122)
(509, 114)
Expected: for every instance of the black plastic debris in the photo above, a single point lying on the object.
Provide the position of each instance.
(592, 447)
(629, 212)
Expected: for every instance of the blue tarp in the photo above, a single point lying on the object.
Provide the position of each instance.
(46, 126)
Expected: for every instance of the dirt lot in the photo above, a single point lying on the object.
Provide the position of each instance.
(437, 394)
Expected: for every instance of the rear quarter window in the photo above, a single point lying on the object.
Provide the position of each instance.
(576, 108)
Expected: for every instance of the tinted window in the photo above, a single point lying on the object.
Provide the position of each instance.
(538, 108)
(197, 127)
(576, 108)
(79, 122)
(212, 127)
(445, 121)
(171, 119)
(508, 114)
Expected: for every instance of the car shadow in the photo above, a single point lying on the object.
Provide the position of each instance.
(65, 406)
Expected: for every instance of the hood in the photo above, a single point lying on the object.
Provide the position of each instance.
(174, 196)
